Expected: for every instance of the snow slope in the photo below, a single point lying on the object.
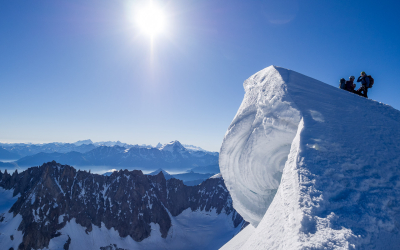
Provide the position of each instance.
(195, 230)
(8, 222)
(312, 166)
(238, 241)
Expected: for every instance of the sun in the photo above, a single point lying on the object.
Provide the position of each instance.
(151, 19)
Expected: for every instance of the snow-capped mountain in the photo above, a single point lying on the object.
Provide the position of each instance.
(172, 156)
(82, 142)
(194, 148)
(20, 150)
(56, 207)
(199, 149)
(165, 173)
(175, 147)
(311, 166)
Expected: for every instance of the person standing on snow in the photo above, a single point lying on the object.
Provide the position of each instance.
(364, 79)
(350, 86)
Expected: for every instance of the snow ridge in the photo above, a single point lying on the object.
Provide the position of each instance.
(312, 166)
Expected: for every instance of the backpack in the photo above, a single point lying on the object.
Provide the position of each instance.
(371, 81)
(342, 83)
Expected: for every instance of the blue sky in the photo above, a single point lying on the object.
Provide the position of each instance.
(79, 69)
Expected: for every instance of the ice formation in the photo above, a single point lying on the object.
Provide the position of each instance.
(312, 166)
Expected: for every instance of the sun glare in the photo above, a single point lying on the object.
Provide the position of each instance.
(151, 20)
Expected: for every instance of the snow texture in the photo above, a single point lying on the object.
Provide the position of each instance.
(8, 223)
(238, 241)
(7, 199)
(216, 176)
(195, 230)
(9, 229)
(312, 166)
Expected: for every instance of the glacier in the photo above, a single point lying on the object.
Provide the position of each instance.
(311, 166)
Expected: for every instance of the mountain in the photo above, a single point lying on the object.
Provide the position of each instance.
(174, 155)
(213, 169)
(22, 149)
(116, 143)
(174, 147)
(311, 166)
(171, 157)
(189, 179)
(7, 155)
(87, 142)
(195, 148)
(165, 173)
(57, 207)
(72, 158)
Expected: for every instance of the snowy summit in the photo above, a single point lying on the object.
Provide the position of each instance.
(173, 146)
(165, 173)
(311, 166)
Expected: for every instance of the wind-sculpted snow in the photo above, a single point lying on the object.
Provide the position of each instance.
(257, 144)
(312, 166)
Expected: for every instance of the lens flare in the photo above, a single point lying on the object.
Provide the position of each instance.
(151, 20)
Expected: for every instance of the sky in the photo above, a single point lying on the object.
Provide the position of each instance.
(83, 69)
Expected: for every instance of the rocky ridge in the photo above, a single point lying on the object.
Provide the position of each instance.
(128, 201)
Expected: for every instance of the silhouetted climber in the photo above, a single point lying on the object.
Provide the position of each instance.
(342, 83)
(363, 90)
(350, 86)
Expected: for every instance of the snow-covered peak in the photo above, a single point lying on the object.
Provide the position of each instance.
(219, 175)
(109, 172)
(156, 172)
(313, 166)
(173, 146)
(159, 145)
(111, 144)
(88, 141)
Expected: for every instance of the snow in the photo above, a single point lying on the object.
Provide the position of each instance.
(312, 166)
(238, 241)
(9, 226)
(196, 230)
(156, 172)
(33, 197)
(173, 146)
(61, 218)
(109, 172)
(7, 199)
(59, 186)
(193, 148)
(82, 142)
(216, 176)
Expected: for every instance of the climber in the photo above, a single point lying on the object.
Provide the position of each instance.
(350, 86)
(363, 90)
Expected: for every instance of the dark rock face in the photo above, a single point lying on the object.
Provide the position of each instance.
(53, 194)
(111, 247)
(66, 245)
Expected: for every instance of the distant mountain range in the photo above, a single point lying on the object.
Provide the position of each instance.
(14, 151)
(190, 179)
(172, 156)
